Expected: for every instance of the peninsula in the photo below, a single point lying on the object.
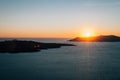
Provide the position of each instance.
(15, 46)
(102, 38)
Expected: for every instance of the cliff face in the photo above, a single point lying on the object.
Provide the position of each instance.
(109, 38)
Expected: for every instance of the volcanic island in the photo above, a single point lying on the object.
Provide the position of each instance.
(101, 38)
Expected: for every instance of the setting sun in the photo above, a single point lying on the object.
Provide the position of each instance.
(88, 34)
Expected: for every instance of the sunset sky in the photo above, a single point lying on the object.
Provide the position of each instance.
(58, 18)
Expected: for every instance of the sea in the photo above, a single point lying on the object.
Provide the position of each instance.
(85, 61)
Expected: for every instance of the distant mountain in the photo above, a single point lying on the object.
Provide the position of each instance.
(102, 38)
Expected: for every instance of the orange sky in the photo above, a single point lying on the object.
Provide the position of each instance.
(58, 18)
(70, 33)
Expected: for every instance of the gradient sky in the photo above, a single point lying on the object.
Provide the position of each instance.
(58, 18)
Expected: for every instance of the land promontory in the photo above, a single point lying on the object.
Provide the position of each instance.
(15, 46)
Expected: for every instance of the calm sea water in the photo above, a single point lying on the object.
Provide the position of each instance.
(86, 61)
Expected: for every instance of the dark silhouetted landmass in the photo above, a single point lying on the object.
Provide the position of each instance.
(15, 46)
(109, 38)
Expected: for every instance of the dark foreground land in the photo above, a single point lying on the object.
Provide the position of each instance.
(15, 46)
(108, 38)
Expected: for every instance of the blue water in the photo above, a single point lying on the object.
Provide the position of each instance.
(86, 61)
